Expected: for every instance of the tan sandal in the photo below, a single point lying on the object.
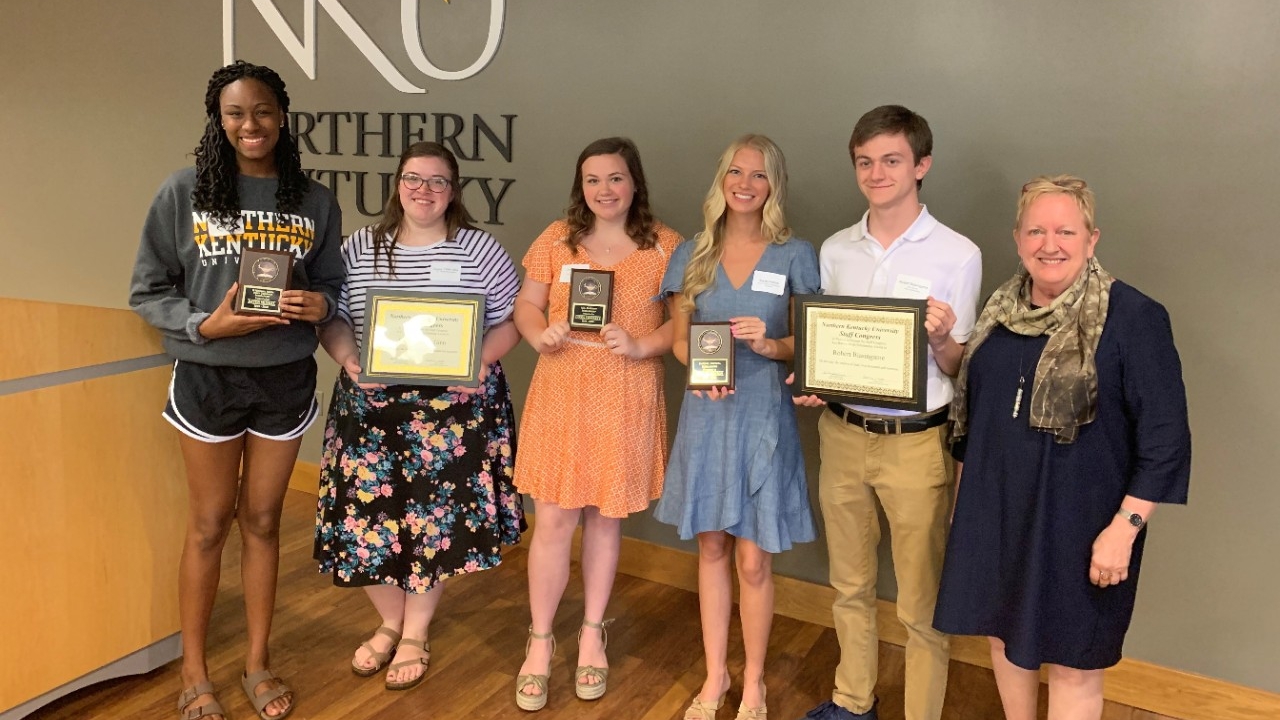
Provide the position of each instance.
(699, 710)
(188, 696)
(380, 659)
(425, 661)
(260, 702)
(534, 703)
(755, 713)
(592, 690)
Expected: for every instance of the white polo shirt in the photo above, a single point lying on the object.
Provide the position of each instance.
(929, 259)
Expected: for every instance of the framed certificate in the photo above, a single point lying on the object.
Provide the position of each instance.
(590, 299)
(710, 356)
(264, 276)
(864, 350)
(421, 338)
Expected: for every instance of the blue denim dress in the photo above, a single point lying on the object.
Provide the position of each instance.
(736, 464)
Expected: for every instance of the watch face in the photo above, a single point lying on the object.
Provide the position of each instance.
(1136, 520)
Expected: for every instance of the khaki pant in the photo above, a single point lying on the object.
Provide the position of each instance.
(912, 475)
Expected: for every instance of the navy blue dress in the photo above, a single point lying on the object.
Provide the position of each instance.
(1029, 509)
(736, 464)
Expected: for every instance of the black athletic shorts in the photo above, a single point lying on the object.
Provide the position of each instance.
(215, 404)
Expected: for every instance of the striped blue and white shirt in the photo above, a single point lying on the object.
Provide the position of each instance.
(471, 262)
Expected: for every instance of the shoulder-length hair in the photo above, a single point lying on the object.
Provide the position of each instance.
(388, 226)
(640, 222)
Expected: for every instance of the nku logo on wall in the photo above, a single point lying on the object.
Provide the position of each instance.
(304, 50)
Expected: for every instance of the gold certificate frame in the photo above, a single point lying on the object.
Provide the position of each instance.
(422, 338)
(870, 351)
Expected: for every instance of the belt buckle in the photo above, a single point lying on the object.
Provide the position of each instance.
(885, 427)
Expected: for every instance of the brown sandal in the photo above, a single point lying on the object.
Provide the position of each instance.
(260, 702)
(424, 661)
(188, 696)
(380, 659)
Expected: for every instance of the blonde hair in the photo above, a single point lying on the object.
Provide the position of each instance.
(709, 244)
(1069, 185)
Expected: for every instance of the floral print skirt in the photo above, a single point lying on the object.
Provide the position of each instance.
(415, 484)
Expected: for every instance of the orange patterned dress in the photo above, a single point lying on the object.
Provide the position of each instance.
(594, 428)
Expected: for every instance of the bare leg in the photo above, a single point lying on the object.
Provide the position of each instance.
(389, 601)
(548, 575)
(755, 581)
(1019, 687)
(601, 542)
(715, 604)
(213, 473)
(1074, 694)
(267, 466)
(419, 608)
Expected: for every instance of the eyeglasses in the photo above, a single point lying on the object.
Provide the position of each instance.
(435, 183)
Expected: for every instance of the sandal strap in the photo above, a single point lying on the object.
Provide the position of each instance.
(210, 708)
(422, 645)
(548, 635)
(378, 656)
(538, 681)
(388, 632)
(604, 634)
(586, 672)
(261, 701)
(704, 710)
(188, 695)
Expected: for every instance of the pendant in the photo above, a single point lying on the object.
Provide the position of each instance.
(1017, 398)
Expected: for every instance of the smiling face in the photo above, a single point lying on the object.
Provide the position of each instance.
(423, 207)
(887, 171)
(1055, 243)
(607, 187)
(746, 184)
(251, 119)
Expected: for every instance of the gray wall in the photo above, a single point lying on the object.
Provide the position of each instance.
(1167, 108)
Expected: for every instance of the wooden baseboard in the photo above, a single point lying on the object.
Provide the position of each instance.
(1135, 683)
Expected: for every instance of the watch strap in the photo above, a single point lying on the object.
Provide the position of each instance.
(1134, 518)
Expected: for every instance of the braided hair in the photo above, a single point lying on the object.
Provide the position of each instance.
(216, 190)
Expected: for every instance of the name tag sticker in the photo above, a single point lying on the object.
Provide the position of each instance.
(769, 282)
(217, 229)
(566, 270)
(912, 288)
(446, 273)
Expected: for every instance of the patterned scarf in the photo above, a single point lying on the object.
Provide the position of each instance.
(1064, 394)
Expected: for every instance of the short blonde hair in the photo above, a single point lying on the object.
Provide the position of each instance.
(1070, 185)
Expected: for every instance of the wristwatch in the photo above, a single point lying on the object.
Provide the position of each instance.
(1133, 518)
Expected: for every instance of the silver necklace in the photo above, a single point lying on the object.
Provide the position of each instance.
(1022, 379)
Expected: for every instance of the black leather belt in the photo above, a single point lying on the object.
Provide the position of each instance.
(888, 424)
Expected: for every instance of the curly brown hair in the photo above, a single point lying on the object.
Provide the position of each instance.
(640, 222)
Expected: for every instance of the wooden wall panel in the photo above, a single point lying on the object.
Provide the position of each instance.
(94, 504)
(42, 337)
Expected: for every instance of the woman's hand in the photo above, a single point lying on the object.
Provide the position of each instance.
(484, 374)
(619, 341)
(352, 367)
(223, 322)
(554, 337)
(751, 329)
(304, 305)
(805, 400)
(1111, 551)
(715, 393)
